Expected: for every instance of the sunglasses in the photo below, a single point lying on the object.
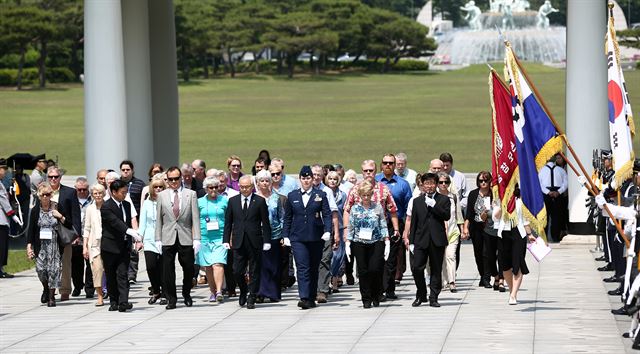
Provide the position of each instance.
(173, 179)
(158, 187)
(53, 177)
(276, 174)
(483, 180)
(444, 182)
(125, 169)
(369, 171)
(81, 189)
(46, 195)
(388, 162)
(211, 188)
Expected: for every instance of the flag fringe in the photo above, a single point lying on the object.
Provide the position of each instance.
(537, 223)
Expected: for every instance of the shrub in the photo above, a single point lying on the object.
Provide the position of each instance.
(60, 75)
(9, 77)
(410, 65)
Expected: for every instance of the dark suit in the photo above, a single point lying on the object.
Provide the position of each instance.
(114, 249)
(246, 231)
(304, 226)
(429, 237)
(73, 261)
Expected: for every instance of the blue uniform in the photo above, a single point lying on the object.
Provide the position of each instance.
(304, 226)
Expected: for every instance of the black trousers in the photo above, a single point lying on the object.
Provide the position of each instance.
(77, 267)
(133, 264)
(477, 238)
(285, 252)
(229, 278)
(616, 248)
(154, 270)
(186, 259)
(557, 216)
(4, 245)
(434, 255)
(251, 257)
(370, 261)
(492, 256)
(391, 265)
(116, 266)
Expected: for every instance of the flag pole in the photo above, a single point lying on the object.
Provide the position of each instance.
(566, 141)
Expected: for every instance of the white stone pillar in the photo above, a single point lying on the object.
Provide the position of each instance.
(135, 24)
(164, 82)
(105, 111)
(586, 92)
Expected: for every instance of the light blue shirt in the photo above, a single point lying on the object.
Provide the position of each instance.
(148, 217)
(372, 218)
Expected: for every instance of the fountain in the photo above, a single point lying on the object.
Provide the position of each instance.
(528, 31)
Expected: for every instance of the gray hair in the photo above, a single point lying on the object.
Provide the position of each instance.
(55, 168)
(111, 176)
(401, 156)
(211, 182)
(186, 168)
(98, 188)
(246, 177)
(264, 174)
(442, 174)
(82, 180)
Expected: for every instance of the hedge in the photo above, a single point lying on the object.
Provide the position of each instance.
(9, 77)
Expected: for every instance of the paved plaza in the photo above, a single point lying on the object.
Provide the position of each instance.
(563, 307)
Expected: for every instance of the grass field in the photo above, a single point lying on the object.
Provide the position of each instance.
(331, 118)
(18, 261)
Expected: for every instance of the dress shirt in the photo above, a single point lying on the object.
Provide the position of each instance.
(409, 175)
(228, 192)
(246, 200)
(305, 196)
(345, 186)
(400, 190)
(460, 182)
(287, 185)
(330, 198)
(560, 179)
(179, 197)
(37, 177)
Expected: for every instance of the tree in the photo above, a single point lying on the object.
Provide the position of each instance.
(18, 32)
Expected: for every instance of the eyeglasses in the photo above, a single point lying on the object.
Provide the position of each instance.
(46, 195)
(444, 182)
(388, 162)
(158, 187)
(246, 187)
(125, 169)
(53, 177)
(211, 188)
(82, 189)
(173, 179)
(369, 171)
(276, 174)
(483, 181)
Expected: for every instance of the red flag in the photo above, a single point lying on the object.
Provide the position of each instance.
(504, 159)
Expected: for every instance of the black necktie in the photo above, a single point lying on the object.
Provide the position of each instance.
(553, 185)
(244, 207)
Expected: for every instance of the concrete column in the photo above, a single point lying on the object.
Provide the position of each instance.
(135, 24)
(586, 91)
(105, 106)
(164, 82)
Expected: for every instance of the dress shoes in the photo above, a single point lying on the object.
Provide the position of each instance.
(382, 298)
(113, 307)
(163, 301)
(616, 292)
(375, 301)
(391, 295)
(417, 302)
(434, 303)
(170, 306)
(601, 259)
(613, 279)
(242, 300)
(44, 298)
(6, 275)
(366, 304)
(621, 311)
(64, 297)
(606, 268)
(188, 301)
(251, 303)
(350, 279)
(304, 304)
(626, 335)
(75, 292)
(51, 303)
(124, 307)
(89, 295)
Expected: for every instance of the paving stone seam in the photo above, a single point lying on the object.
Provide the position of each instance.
(535, 307)
(368, 328)
(204, 330)
(446, 338)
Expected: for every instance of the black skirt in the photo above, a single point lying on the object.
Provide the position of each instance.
(514, 249)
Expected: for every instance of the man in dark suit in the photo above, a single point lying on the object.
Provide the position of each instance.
(428, 239)
(307, 225)
(115, 245)
(68, 206)
(247, 219)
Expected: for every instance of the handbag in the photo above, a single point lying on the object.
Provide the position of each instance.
(65, 234)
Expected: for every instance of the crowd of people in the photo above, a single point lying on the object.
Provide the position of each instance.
(253, 235)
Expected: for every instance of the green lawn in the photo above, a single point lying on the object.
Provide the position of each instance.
(332, 118)
(18, 261)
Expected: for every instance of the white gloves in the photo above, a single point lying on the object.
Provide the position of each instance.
(582, 180)
(411, 247)
(387, 249)
(266, 246)
(430, 201)
(347, 250)
(196, 246)
(600, 200)
(287, 242)
(17, 220)
(133, 233)
(326, 236)
(226, 245)
(159, 246)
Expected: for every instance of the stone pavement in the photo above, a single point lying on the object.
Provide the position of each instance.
(563, 308)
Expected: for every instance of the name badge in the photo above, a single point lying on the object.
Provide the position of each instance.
(365, 233)
(213, 225)
(46, 234)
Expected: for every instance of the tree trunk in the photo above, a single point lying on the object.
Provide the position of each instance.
(23, 50)
(387, 61)
(317, 66)
(216, 65)
(356, 58)
(185, 65)
(205, 66)
(279, 61)
(75, 63)
(291, 63)
(231, 66)
(42, 64)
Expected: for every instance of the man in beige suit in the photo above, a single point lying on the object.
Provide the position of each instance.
(177, 231)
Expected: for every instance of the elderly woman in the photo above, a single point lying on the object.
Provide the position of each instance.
(152, 254)
(333, 181)
(351, 176)
(452, 227)
(43, 243)
(92, 234)
(271, 272)
(212, 255)
(234, 164)
(365, 234)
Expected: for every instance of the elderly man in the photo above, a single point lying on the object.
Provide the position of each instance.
(199, 168)
(189, 182)
(101, 177)
(405, 172)
(435, 166)
(381, 195)
(287, 184)
(79, 265)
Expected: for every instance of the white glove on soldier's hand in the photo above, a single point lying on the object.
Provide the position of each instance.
(196, 246)
(347, 250)
(430, 201)
(134, 234)
(582, 180)
(387, 249)
(266, 246)
(600, 200)
(287, 242)
(226, 245)
(326, 236)
(411, 247)
(17, 220)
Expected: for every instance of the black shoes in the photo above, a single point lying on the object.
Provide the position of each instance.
(613, 279)
(350, 279)
(170, 306)
(434, 303)
(44, 298)
(75, 292)
(52, 302)
(6, 275)
(616, 292)
(113, 307)
(188, 301)
(621, 311)
(366, 304)
(601, 259)
(242, 300)
(375, 302)
(251, 303)
(124, 307)
(382, 298)
(606, 268)
(305, 304)
(417, 302)
(153, 299)
(391, 295)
